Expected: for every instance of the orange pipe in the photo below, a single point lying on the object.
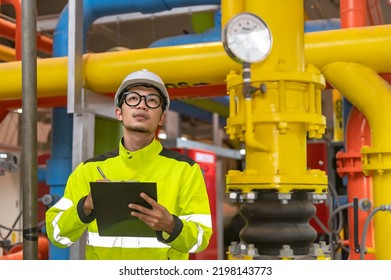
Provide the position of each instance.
(353, 13)
(18, 34)
(16, 253)
(8, 31)
(349, 163)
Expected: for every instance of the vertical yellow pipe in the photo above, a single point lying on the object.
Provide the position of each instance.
(280, 117)
(370, 94)
(229, 8)
(287, 55)
(286, 21)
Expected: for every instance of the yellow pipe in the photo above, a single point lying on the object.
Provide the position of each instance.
(370, 94)
(288, 34)
(365, 45)
(51, 78)
(7, 53)
(229, 8)
(249, 135)
(277, 120)
(104, 71)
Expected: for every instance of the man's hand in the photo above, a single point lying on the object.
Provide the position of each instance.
(88, 205)
(158, 218)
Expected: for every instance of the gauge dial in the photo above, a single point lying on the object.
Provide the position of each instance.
(247, 38)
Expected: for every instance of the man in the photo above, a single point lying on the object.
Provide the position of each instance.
(181, 219)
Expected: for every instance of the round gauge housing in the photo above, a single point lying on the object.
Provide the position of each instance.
(247, 38)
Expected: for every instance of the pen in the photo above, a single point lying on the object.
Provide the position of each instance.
(101, 173)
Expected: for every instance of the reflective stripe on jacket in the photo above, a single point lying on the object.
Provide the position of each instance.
(181, 189)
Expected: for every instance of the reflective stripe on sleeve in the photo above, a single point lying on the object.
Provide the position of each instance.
(63, 204)
(199, 240)
(94, 239)
(204, 219)
(56, 232)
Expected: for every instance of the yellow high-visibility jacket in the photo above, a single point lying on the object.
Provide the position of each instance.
(180, 188)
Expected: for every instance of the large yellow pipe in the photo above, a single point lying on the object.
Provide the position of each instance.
(288, 53)
(351, 44)
(288, 34)
(276, 123)
(229, 8)
(199, 63)
(370, 94)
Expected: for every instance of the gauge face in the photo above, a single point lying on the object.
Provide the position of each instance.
(246, 38)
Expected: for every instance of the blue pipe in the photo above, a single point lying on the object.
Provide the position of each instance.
(322, 25)
(59, 166)
(94, 9)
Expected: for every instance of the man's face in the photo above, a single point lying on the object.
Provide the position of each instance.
(141, 118)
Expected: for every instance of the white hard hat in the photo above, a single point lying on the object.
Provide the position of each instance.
(143, 77)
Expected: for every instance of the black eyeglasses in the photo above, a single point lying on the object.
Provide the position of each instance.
(132, 99)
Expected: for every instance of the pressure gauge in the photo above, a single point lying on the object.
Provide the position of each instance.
(247, 38)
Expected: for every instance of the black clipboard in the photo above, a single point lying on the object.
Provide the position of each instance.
(112, 213)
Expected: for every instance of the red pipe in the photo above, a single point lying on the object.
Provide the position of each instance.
(359, 186)
(18, 34)
(8, 31)
(353, 13)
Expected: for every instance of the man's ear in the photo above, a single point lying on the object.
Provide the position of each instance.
(118, 113)
(163, 118)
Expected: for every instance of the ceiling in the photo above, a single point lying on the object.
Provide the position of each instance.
(137, 30)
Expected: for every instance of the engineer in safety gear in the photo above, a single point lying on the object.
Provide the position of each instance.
(181, 218)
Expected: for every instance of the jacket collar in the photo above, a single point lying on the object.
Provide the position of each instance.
(144, 154)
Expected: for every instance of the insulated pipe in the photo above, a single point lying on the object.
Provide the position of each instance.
(370, 94)
(103, 71)
(94, 9)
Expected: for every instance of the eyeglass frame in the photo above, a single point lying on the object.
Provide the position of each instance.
(128, 89)
(126, 93)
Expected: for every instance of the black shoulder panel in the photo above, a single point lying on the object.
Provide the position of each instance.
(177, 156)
(103, 157)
